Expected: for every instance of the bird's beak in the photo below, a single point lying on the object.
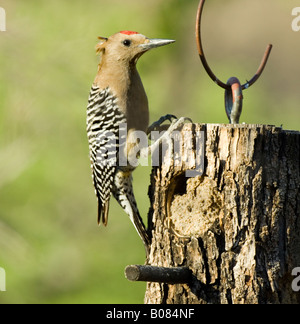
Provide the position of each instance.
(153, 43)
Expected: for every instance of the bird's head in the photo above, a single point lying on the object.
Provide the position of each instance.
(127, 46)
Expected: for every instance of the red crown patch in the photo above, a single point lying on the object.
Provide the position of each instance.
(128, 32)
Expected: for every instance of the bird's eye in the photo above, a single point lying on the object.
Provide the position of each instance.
(127, 42)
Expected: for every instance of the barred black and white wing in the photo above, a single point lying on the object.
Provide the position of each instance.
(104, 119)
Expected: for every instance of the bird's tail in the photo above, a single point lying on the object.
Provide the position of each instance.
(138, 223)
(140, 227)
(123, 192)
(103, 210)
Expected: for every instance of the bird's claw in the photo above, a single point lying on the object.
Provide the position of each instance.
(156, 125)
(171, 118)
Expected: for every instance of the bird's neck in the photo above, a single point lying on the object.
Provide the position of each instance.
(122, 79)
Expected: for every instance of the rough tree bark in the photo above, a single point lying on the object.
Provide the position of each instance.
(237, 226)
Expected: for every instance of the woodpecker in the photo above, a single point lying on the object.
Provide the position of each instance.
(118, 98)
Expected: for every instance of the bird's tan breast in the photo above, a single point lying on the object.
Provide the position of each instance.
(127, 88)
(137, 110)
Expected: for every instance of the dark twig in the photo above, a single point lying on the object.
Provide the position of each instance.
(173, 276)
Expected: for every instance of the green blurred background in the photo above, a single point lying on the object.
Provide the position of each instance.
(50, 245)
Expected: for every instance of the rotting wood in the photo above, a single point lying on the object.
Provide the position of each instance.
(237, 226)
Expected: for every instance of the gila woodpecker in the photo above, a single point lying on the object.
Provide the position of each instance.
(118, 98)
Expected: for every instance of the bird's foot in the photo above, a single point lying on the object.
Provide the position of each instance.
(165, 136)
(156, 125)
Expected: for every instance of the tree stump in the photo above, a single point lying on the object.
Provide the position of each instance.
(236, 225)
